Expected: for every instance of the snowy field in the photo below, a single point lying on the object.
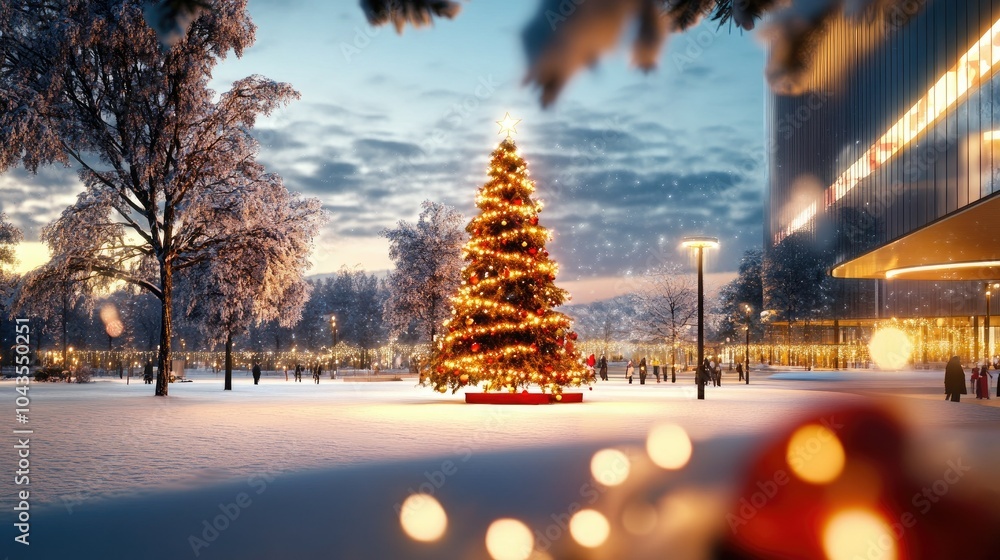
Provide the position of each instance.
(136, 475)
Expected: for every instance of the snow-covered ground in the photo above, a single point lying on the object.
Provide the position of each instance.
(107, 451)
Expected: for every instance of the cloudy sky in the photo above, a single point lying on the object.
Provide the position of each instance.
(627, 163)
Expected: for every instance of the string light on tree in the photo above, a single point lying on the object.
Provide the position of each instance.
(503, 332)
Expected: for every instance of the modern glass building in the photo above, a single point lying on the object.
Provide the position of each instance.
(889, 161)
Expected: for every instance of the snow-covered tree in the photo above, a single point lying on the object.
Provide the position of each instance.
(10, 236)
(54, 295)
(428, 270)
(607, 321)
(667, 305)
(567, 36)
(798, 286)
(747, 289)
(259, 276)
(160, 154)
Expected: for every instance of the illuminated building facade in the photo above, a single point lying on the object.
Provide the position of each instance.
(890, 163)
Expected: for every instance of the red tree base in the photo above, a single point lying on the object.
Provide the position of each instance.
(521, 398)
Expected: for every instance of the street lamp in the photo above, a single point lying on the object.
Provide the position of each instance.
(701, 243)
(333, 332)
(986, 324)
(746, 366)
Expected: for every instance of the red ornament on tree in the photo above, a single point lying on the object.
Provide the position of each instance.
(474, 280)
(533, 251)
(534, 220)
(475, 347)
(572, 336)
(517, 202)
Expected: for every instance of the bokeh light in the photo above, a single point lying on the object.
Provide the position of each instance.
(112, 322)
(815, 454)
(669, 446)
(639, 518)
(589, 528)
(890, 348)
(509, 539)
(858, 533)
(423, 518)
(610, 467)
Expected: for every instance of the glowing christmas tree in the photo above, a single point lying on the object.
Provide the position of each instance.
(503, 333)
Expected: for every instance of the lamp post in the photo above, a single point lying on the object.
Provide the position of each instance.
(986, 323)
(746, 366)
(700, 244)
(333, 333)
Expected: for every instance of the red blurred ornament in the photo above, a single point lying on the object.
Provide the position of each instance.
(475, 347)
(534, 347)
(474, 280)
(523, 314)
(506, 273)
(572, 336)
(534, 220)
(517, 202)
(541, 312)
(545, 253)
(533, 251)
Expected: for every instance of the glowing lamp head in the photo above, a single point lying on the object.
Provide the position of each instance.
(700, 242)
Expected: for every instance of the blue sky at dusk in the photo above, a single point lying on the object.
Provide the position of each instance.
(627, 163)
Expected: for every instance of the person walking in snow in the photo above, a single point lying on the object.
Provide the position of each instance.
(256, 373)
(298, 372)
(954, 380)
(984, 382)
(317, 373)
(604, 368)
(147, 372)
(642, 371)
(628, 371)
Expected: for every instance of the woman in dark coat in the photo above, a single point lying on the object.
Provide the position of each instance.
(954, 379)
(642, 371)
(604, 368)
(256, 374)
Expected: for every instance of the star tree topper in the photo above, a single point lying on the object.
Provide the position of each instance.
(508, 125)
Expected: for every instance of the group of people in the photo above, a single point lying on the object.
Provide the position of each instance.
(643, 371)
(316, 370)
(979, 380)
(592, 362)
(712, 370)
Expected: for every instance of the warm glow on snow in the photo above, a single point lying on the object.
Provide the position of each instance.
(857, 533)
(610, 467)
(815, 454)
(669, 446)
(589, 528)
(509, 539)
(890, 348)
(423, 518)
